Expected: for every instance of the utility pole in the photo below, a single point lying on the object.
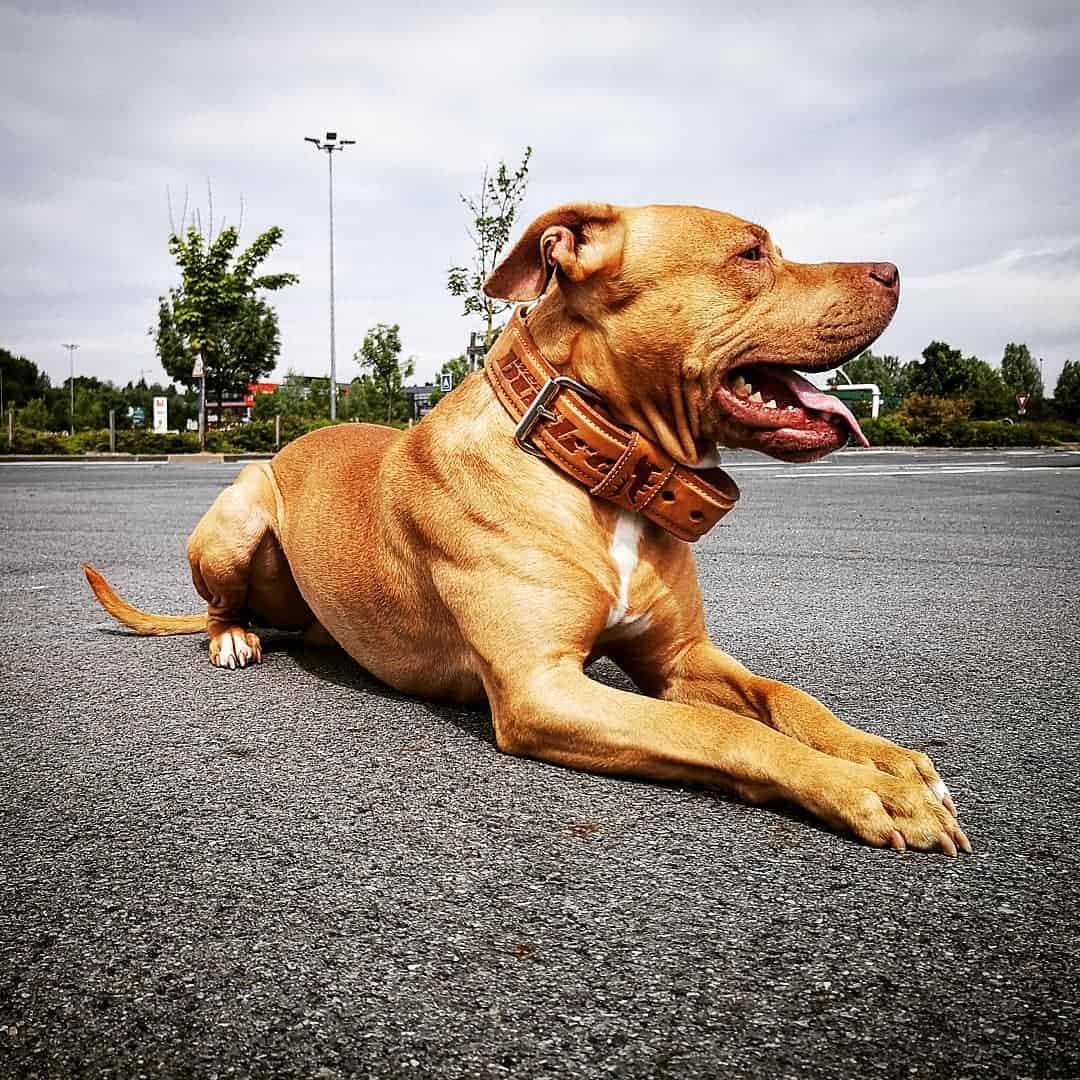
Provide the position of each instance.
(330, 144)
(71, 354)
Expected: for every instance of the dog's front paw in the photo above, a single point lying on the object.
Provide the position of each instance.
(235, 648)
(912, 765)
(891, 811)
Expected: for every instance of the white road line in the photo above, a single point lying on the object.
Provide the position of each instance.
(80, 464)
(847, 474)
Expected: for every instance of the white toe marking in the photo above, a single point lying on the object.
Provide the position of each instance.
(233, 650)
(225, 650)
(624, 554)
(939, 789)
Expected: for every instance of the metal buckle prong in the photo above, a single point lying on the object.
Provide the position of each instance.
(538, 410)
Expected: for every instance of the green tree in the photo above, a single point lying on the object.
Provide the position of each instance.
(941, 374)
(298, 396)
(886, 371)
(946, 373)
(492, 221)
(181, 405)
(267, 406)
(366, 402)
(985, 389)
(1067, 391)
(33, 415)
(22, 380)
(381, 355)
(215, 312)
(1020, 372)
(457, 367)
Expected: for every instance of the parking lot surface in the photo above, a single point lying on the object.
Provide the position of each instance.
(293, 871)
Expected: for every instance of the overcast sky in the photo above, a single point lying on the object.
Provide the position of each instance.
(942, 137)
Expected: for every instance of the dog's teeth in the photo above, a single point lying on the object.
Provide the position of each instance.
(756, 396)
(741, 386)
(771, 404)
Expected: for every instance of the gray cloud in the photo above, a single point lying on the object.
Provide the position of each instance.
(942, 140)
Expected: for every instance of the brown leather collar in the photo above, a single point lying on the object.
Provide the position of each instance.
(556, 421)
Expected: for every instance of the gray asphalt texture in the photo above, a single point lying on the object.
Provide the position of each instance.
(293, 871)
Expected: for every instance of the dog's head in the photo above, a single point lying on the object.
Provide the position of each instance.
(692, 324)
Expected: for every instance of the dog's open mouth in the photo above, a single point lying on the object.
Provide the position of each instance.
(776, 410)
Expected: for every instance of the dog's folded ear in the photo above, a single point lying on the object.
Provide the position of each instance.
(578, 238)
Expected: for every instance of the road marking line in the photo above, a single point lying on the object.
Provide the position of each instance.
(967, 470)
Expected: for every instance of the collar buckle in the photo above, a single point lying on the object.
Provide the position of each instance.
(539, 410)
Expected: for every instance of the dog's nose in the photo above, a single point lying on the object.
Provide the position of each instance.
(886, 273)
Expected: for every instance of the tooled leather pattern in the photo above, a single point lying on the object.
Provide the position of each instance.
(613, 462)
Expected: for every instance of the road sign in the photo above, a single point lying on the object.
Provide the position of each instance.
(1021, 403)
(161, 415)
(137, 414)
(446, 382)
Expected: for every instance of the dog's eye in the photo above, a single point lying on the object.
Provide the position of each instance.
(751, 254)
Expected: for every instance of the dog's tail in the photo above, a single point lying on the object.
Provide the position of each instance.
(142, 622)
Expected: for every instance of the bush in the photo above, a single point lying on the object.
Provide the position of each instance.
(141, 441)
(887, 431)
(35, 442)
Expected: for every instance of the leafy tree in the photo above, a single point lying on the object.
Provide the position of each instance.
(22, 380)
(181, 405)
(364, 402)
(381, 355)
(34, 415)
(941, 374)
(946, 373)
(492, 214)
(886, 371)
(1020, 372)
(1067, 391)
(457, 367)
(297, 396)
(267, 406)
(215, 312)
(986, 390)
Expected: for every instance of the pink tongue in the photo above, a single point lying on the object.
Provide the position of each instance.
(810, 397)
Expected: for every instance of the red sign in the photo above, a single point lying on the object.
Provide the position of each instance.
(1021, 403)
(254, 388)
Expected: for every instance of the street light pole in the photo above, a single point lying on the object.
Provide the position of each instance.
(330, 144)
(71, 354)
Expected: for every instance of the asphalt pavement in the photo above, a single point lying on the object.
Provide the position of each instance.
(292, 871)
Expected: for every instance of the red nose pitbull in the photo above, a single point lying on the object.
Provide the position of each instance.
(543, 513)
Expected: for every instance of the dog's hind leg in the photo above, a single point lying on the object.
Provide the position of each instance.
(239, 569)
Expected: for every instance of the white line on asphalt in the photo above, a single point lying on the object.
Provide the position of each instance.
(81, 464)
(870, 469)
(847, 474)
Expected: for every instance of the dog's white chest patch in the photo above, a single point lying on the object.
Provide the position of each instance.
(624, 555)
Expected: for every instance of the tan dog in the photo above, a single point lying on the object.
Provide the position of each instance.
(453, 565)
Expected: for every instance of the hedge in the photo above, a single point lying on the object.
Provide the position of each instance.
(893, 431)
(254, 437)
(258, 436)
